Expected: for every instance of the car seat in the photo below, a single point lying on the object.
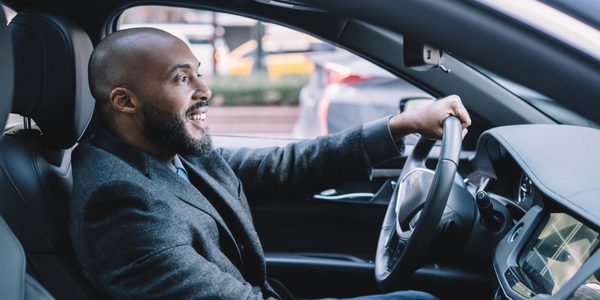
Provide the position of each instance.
(51, 88)
(15, 283)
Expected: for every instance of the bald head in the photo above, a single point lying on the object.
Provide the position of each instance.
(121, 58)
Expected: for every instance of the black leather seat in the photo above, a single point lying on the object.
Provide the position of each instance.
(15, 283)
(51, 88)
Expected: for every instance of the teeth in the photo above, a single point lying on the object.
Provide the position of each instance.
(201, 116)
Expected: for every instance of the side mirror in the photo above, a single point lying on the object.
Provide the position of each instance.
(414, 103)
(421, 57)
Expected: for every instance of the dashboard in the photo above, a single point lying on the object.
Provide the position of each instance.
(551, 190)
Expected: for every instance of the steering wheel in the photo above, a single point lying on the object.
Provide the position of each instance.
(415, 210)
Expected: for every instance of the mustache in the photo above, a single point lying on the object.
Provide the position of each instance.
(196, 106)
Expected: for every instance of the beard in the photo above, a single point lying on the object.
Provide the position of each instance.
(166, 129)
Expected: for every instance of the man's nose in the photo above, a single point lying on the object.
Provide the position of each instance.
(202, 92)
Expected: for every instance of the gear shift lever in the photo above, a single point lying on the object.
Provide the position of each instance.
(491, 219)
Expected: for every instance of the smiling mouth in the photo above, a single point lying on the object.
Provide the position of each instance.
(198, 116)
(198, 111)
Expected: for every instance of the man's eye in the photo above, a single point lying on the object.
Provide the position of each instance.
(183, 79)
(198, 75)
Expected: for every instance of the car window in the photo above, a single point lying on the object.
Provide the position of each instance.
(272, 81)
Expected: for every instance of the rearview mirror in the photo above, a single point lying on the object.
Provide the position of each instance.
(421, 57)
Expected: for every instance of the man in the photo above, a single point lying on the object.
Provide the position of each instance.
(157, 213)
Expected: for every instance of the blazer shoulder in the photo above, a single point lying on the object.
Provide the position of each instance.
(95, 168)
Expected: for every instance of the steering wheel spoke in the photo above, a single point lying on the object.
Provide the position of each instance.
(395, 252)
(393, 247)
(391, 239)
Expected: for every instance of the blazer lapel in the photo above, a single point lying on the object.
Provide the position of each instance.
(218, 176)
(215, 175)
(186, 192)
(183, 190)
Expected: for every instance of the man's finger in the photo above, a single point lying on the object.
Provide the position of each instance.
(463, 115)
(464, 118)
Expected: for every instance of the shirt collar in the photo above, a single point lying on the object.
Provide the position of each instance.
(176, 163)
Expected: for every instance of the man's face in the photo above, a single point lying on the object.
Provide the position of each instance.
(174, 99)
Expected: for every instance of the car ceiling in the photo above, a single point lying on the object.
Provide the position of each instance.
(93, 15)
(518, 52)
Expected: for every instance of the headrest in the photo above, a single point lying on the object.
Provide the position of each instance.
(51, 61)
(6, 70)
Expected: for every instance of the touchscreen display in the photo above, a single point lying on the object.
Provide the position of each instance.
(562, 246)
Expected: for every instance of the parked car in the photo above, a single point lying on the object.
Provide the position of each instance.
(343, 85)
(516, 217)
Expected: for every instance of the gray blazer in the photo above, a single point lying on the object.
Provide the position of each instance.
(141, 231)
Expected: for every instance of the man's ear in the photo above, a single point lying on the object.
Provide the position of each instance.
(123, 100)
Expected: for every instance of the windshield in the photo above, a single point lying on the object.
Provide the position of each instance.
(544, 104)
(585, 10)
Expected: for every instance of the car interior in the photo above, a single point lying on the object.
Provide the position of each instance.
(518, 219)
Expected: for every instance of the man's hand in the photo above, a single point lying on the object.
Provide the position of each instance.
(428, 120)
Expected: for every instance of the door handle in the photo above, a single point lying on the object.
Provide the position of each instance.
(345, 197)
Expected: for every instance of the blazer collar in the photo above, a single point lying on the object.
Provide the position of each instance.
(128, 153)
(155, 169)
